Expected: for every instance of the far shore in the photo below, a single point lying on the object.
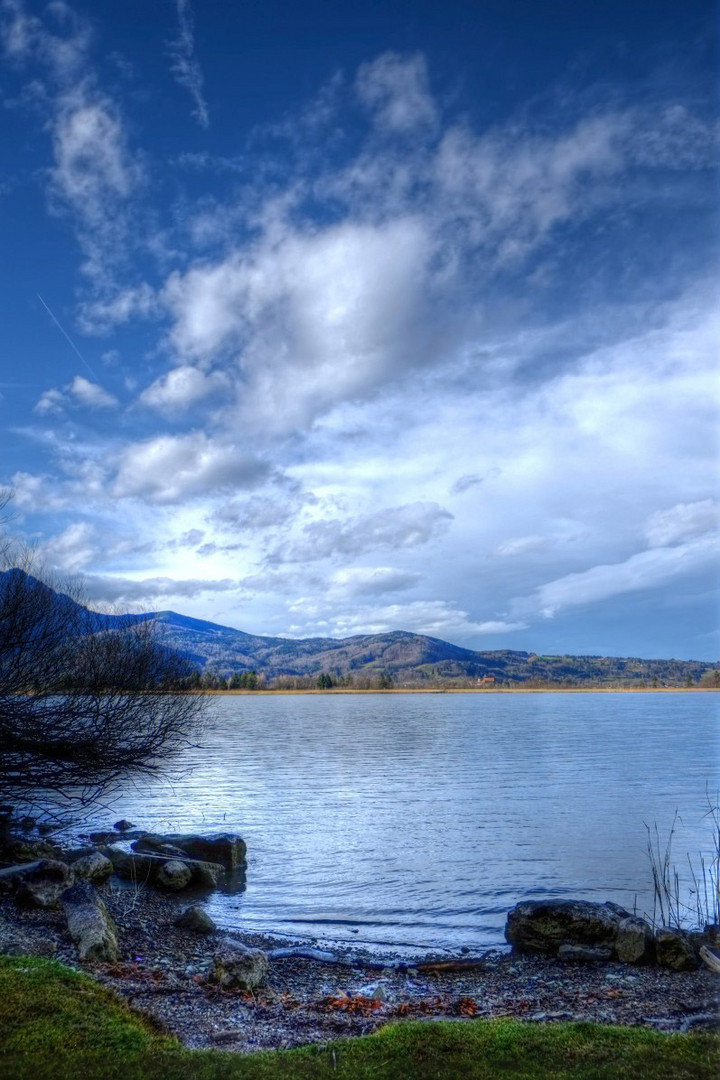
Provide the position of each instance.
(476, 690)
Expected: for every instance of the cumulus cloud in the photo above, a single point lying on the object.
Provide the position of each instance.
(185, 67)
(170, 468)
(179, 389)
(91, 394)
(395, 528)
(80, 392)
(312, 320)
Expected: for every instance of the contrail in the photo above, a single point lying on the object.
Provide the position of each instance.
(67, 337)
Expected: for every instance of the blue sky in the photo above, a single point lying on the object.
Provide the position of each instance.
(324, 319)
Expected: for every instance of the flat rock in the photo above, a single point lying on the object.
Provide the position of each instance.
(225, 848)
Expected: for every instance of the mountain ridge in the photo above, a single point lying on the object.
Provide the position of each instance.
(397, 657)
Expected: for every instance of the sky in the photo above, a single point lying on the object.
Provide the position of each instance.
(324, 319)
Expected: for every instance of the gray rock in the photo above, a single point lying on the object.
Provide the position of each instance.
(144, 867)
(542, 926)
(236, 965)
(90, 925)
(174, 875)
(635, 943)
(123, 826)
(584, 953)
(673, 950)
(196, 918)
(94, 867)
(44, 884)
(225, 848)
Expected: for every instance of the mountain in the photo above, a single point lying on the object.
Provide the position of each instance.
(408, 659)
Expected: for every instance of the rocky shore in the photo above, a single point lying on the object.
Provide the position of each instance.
(243, 992)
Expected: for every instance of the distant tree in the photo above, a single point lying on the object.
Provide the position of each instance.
(324, 681)
(249, 680)
(235, 681)
(384, 680)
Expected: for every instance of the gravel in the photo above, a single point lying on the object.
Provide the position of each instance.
(163, 972)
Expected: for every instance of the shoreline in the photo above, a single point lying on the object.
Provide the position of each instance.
(340, 690)
(163, 972)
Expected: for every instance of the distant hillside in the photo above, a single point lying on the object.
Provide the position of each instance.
(399, 657)
(408, 659)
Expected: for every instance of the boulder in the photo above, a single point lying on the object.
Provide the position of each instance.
(123, 826)
(673, 949)
(584, 954)
(44, 884)
(635, 943)
(542, 926)
(94, 867)
(225, 848)
(90, 926)
(173, 875)
(196, 918)
(234, 965)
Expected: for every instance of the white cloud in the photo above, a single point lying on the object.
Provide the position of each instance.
(170, 468)
(102, 315)
(647, 569)
(91, 394)
(93, 169)
(436, 618)
(682, 522)
(182, 387)
(50, 401)
(395, 89)
(314, 320)
(72, 550)
(79, 392)
(372, 580)
(185, 66)
(144, 592)
(396, 528)
(521, 545)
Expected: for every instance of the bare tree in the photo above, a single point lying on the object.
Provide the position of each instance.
(85, 699)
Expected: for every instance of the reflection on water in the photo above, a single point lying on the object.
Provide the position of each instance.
(420, 819)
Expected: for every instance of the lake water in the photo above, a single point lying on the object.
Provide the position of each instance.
(419, 819)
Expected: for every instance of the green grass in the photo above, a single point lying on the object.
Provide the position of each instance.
(56, 1023)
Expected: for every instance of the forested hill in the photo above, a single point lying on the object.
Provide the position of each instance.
(407, 659)
(398, 659)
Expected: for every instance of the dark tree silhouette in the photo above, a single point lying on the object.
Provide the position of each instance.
(85, 699)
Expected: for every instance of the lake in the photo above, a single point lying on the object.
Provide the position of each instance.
(417, 820)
